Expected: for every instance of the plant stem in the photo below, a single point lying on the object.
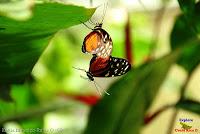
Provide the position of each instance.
(150, 118)
(182, 92)
(128, 41)
(172, 121)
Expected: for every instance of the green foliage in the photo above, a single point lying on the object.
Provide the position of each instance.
(187, 6)
(57, 68)
(32, 123)
(19, 104)
(123, 112)
(21, 43)
(23, 99)
(5, 92)
(187, 28)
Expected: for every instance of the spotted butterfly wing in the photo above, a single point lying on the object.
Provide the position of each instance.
(98, 42)
(108, 67)
(118, 66)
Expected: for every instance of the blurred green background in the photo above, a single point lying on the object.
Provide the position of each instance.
(55, 98)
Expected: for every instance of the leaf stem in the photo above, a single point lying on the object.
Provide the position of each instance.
(150, 118)
(128, 41)
(182, 92)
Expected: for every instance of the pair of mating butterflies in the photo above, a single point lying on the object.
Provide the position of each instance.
(99, 44)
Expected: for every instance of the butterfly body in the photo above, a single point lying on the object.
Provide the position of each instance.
(90, 76)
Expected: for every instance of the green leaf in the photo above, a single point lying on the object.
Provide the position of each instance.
(7, 108)
(187, 6)
(179, 35)
(189, 105)
(22, 42)
(35, 125)
(123, 111)
(190, 58)
(23, 98)
(187, 28)
(5, 92)
(18, 9)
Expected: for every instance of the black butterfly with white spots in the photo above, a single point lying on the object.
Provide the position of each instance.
(106, 67)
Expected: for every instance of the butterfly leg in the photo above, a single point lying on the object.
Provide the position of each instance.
(80, 69)
(97, 85)
(97, 88)
(85, 78)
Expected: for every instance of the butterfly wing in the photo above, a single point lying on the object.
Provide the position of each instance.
(91, 42)
(118, 67)
(108, 67)
(99, 66)
(98, 42)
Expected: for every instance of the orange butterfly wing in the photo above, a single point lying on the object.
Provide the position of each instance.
(91, 41)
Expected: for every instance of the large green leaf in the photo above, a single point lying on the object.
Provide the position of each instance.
(21, 43)
(123, 111)
(189, 105)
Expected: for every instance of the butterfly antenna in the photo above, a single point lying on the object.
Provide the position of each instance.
(97, 85)
(92, 22)
(80, 69)
(86, 25)
(104, 11)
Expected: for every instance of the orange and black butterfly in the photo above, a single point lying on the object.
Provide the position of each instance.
(106, 67)
(98, 42)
